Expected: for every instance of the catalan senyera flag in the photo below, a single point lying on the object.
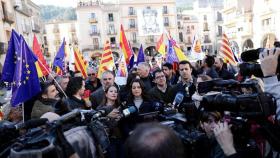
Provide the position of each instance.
(226, 52)
(161, 46)
(41, 65)
(124, 45)
(107, 60)
(80, 63)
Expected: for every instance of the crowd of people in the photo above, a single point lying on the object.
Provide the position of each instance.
(147, 86)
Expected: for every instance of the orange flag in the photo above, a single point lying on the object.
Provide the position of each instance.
(42, 67)
(127, 51)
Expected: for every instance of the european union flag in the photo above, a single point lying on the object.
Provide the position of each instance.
(20, 63)
(141, 56)
(171, 56)
(59, 58)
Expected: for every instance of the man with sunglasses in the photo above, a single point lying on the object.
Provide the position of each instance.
(92, 83)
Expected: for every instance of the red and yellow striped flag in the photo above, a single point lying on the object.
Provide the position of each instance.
(226, 52)
(107, 60)
(80, 63)
(41, 65)
(161, 46)
(127, 51)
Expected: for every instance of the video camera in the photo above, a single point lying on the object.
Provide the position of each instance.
(250, 65)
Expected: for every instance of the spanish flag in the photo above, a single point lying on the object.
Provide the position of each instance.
(161, 46)
(179, 53)
(107, 60)
(80, 63)
(41, 65)
(127, 52)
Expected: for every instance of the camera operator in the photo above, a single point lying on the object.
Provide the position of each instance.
(269, 62)
(152, 140)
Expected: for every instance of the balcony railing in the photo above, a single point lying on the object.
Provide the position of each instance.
(165, 11)
(112, 32)
(26, 29)
(93, 20)
(94, 33)
(166, 24)
(36, 28)
(56, 30)
(132, 12)
(23, 9)
(91, 47)
(8, 17)
(56, 42)
(132, 26)
(135, 41)
(207, 41)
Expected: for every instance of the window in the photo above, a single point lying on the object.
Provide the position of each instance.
(94, 28)
(219, 16)
(131, 23)
(131, 11)
(111, 17)
(95, 41)
(189, 39)
(111, 29)
(181, 37)
(113, 40)
(92, 16)
(220, 30)
(188, 29)
(165, 10)
(192, 27)
(134, 39)
(206, 39)
(166, 21)
(205, 17)
(205, 26)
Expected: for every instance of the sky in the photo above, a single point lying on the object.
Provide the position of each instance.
(61, 3)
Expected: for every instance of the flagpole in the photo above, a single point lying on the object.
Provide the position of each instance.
(22, 108)
(53, 79)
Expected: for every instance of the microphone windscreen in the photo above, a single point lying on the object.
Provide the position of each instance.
(179, 98)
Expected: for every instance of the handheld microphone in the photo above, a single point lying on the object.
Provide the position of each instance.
(178, 99)
(128, 111)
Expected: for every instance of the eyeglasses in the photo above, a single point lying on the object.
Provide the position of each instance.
(92, 74)
(158, 77)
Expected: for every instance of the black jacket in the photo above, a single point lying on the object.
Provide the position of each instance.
(89, 85)
(225, 74)
(159, 96)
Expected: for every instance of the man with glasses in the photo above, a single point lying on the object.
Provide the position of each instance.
(160, 91)
(92, 83)
(107, 79)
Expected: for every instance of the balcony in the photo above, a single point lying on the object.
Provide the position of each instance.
(135, 41)
(112, 32)
(23, 9)
(207, 41)
(73, 29)
(94, 33)
(91, 47)
(56, 42)
(36, 28)
(8, 17)
(166, 24)
(56, 30)
(93, 20)
(132, 26)
(132, 13)
(164, 11)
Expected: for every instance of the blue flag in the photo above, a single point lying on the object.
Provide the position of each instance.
(141, 56)
(171, 56)
(59, 58)
(25, 82)
(131, 63)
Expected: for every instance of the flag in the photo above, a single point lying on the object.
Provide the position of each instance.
(124, 45)
(226, 52)
(20, 70)
(107, 60)
(196, 45)
(161, 46)
(80, 63)
(178, 52)
(43, 67)
(141, 56)
(171, 56)
(131, 63)
(122, 70)
(59, 58)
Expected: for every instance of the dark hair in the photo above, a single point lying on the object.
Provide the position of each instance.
(156, 71)
(183, 62)
(130, 96)
(168, 65)
(153, 140)
(104, 100)
(44, 88)
(206, 115)
(209, 60)
(74, 85)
